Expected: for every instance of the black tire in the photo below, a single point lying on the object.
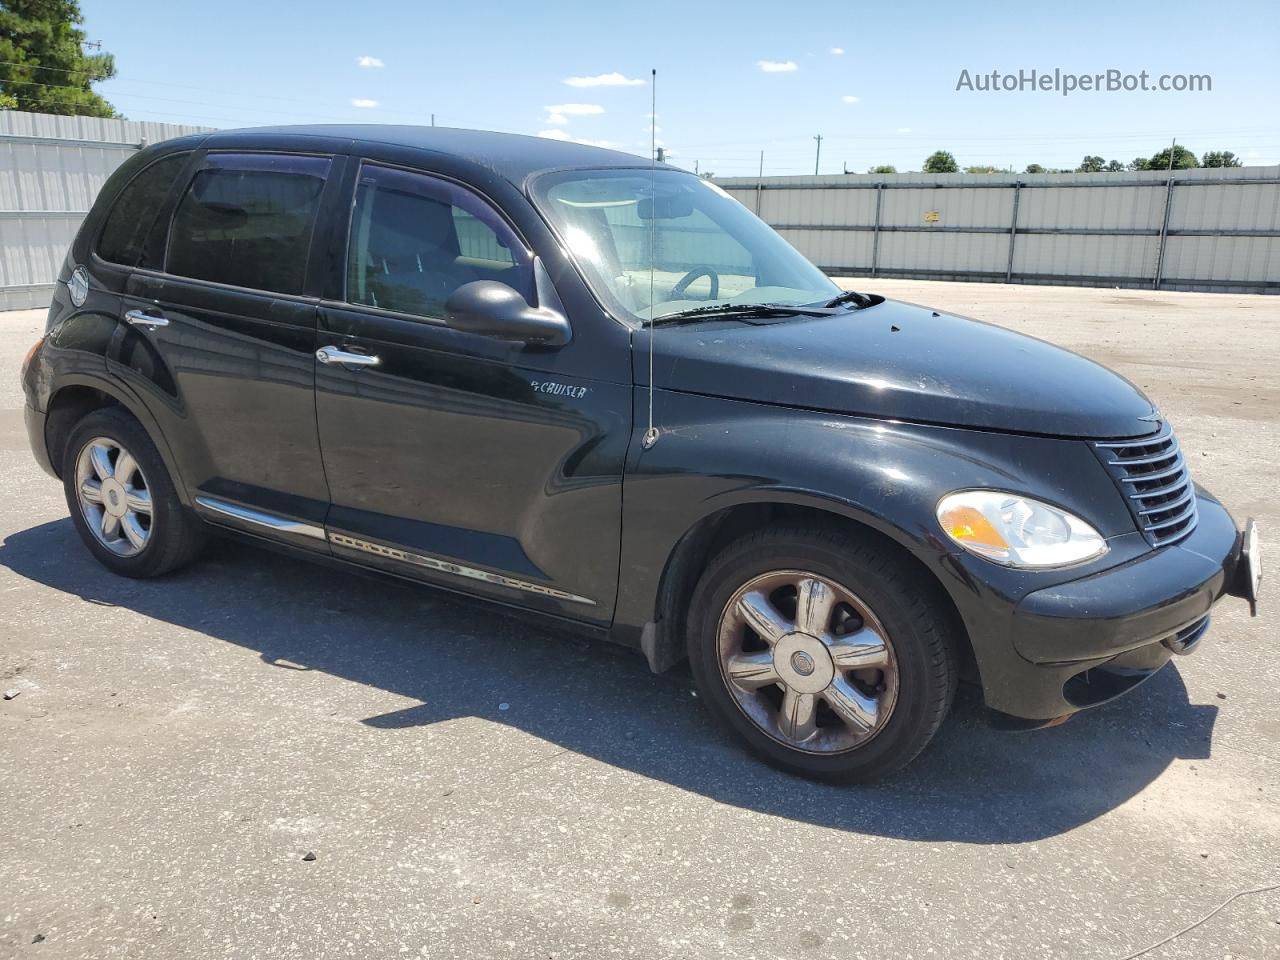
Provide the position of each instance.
(913, 614)
(175, 535)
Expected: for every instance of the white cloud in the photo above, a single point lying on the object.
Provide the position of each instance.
(554, 134)
(576, 109)
(369, 62)
(904, 130)
(604, 80)
(837, 51)
(849, 98)
(558, 114)
(365, 104)
(777, 66)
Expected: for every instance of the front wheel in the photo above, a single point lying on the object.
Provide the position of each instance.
(823, 651)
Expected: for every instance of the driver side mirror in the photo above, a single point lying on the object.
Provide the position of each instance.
(493, 309)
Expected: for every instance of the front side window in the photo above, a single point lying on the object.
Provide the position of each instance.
(630, 230)
(415, 239)
(135, 209)
(247, 219)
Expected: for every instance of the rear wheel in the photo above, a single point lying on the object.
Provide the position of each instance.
(122, 500)
(824, 652)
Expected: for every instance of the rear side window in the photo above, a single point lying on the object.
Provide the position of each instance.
(247, 219)
(135, 209)
(415, 239)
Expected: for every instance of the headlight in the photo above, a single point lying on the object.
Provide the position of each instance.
(1016, 530)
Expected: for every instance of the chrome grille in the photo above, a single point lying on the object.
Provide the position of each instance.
(1153, 478)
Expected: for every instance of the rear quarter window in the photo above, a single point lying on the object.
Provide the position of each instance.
(126, 227)
(247, 220)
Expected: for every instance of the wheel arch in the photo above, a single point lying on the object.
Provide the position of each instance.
(664, 641)
(79, 395)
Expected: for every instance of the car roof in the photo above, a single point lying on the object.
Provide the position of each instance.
(510, 155)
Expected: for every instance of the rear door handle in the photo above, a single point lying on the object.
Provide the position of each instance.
(334, 355)
(140, 318)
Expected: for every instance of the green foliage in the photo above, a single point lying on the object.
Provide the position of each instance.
(1183, 159)
(43, 66)
(1139, 163)
(884, 168)
(941, 161)
(985, 168)
(1034, 168)
(1098, 165)
(1220, 158)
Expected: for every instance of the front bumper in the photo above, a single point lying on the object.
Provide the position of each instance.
(1086, 641)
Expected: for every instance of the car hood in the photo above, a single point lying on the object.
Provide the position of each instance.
(903, 362)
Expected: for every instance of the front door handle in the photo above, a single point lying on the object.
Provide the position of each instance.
(140, 318)
(335, 355)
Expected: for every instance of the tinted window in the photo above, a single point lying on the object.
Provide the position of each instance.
(416, 239)
(247, 220)
(135, 209)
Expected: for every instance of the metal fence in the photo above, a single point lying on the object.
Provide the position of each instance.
(51, 168)
(1204, 229)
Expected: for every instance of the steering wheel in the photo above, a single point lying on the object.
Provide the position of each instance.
(678, 291)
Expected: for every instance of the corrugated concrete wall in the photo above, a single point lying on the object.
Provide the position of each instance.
(1210, 229)
(51, 168)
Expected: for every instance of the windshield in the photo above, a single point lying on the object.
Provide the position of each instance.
(702, 246)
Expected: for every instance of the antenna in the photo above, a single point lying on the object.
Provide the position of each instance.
(651, 435)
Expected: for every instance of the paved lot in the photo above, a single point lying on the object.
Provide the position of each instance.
(473, 788)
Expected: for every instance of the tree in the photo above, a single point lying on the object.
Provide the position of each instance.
(1114, 166)
(1091, 165)
(1034, 168)
(884, 168)
(941, 161)
(1183, 159)
(1220, 158)
(43, 66)
(1139, 163)
(708, 175)
(983, 168)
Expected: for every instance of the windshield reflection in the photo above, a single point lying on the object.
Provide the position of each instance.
(650, 244)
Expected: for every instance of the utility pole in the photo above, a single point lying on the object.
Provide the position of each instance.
(761, 163)
(433, 119)
(695, 168)
(1172, 147)
(818, 155)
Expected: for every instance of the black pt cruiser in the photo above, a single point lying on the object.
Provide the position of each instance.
(599, 389)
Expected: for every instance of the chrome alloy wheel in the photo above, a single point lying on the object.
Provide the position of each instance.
(807, 661)
(114, 497)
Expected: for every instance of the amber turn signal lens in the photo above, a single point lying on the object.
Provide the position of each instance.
(968, 525)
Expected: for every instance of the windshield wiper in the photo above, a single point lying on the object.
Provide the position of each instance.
(851, 296)
(733, 310)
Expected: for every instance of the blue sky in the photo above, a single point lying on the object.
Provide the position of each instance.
(733, 79)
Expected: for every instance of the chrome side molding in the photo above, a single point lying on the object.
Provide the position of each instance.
(279, 524)
(456, 569)
(270, 521)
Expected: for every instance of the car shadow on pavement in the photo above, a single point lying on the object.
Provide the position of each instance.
(458, 658)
